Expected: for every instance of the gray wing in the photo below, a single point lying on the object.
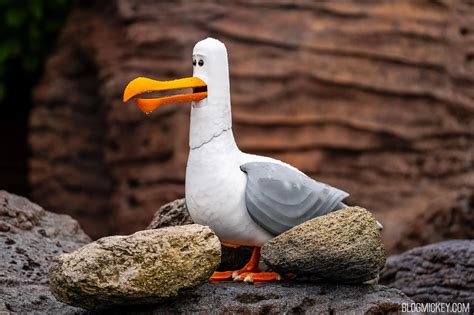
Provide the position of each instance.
(279, 198)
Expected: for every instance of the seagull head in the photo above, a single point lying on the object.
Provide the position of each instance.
(209, 84)
(209, 92)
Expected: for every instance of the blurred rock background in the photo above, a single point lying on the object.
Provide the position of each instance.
(376, 98)
(28, 30)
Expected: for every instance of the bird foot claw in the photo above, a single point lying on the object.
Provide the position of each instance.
(235, 274)
(246, 277)
(250, 273)
(258, 277)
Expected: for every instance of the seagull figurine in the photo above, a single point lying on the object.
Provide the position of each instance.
(245, 199)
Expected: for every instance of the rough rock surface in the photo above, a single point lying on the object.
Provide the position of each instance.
(282, 298)
(375, 98)
(175, 213)
(147, 266)
(343, 246)
(441, 272)
(30, 240)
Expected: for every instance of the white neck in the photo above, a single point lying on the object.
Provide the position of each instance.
(211, 116)
(222, 146)
(209, 119)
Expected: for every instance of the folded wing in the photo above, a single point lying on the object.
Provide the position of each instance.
(279, 198)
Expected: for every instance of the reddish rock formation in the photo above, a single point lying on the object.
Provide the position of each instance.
(450, 216)
(376, 99)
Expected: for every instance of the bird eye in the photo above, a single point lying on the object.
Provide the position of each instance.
(194, 62)
(201, 62)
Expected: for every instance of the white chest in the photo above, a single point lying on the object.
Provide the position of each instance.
(215, 193)
(215, 189)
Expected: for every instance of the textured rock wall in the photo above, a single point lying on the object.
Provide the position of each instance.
(375, 98)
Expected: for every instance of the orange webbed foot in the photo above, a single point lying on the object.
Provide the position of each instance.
(221, 276)
(250, 273)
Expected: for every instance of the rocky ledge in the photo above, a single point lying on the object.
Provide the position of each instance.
(440, 272)
(31, 239)
(279, 298)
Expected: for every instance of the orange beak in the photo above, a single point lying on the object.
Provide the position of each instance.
(145, 85)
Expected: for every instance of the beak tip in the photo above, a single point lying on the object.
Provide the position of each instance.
(129, 91)
(127, 94)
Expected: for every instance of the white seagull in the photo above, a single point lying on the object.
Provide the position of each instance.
(245, 199)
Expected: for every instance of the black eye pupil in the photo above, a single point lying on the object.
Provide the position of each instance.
(201, 62)
(194, 62)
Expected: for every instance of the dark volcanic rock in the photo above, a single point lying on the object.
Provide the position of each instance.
(280, 298)
(343, 246)
(171, 214)
(30, 240)
(441, 272)
(176, 213)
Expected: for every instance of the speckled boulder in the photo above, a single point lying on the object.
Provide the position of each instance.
(145, 267)
(343, 246)
(176, 213)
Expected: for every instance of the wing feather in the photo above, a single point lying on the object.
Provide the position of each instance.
(279, 198)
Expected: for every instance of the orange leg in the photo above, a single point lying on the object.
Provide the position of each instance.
(249, 273)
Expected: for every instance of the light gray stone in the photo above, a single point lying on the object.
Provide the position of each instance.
(176, 213)
(146, 267)
(341, 247)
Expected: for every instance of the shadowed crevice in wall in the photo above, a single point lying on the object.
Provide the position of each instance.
(68, 173)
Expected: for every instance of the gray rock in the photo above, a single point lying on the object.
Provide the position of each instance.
(141, 268)
(440, 272)
(175, 213)
(281, 298)
(47, 235)
(30, 240)
(343, 246)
